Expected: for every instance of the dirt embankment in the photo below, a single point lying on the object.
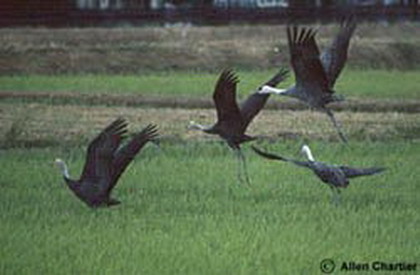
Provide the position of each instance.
(133, 50)
(37, 125)
(369, 106)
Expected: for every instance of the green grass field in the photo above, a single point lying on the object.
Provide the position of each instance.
(184, 212)
(373, 84)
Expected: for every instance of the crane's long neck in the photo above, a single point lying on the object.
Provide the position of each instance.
(196, 126)
(307, 152)
(271, 90)
(63, 168)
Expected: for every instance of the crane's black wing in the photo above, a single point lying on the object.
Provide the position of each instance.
(127, 153)
(277, 157)
(334, 57)
(281, 75)
(304, 56)
(356, 172)
(100, 152)
(256, 101)
(224, 97)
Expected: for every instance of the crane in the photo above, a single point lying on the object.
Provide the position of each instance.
(316, 73)
(233, 120)
(105, 161)
(336, 176)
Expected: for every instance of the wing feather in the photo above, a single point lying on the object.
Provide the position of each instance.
(304, 55)
(101, 149)
(356, 172)
(224, 96)
(127, 153)
(277, 157)
(256, 101)
(334, 57)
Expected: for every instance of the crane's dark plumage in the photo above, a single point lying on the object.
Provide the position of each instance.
(233, 120)
(336, 176)
(251, 106)
(105, 162)
(316, 73)
(334, 57)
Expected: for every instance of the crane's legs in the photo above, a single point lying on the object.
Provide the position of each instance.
(336, 196)
(336, 125)
(242, 166)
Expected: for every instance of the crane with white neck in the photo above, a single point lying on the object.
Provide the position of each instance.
(233, 120)
(335, 176)
(105, 162)
(316, 73)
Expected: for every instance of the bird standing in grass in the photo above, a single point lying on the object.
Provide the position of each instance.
(105, 162)
(233, 120)
(316, 73)
(336, 176)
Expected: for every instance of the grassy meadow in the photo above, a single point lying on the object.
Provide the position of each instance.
(359, 84)
(184, 212)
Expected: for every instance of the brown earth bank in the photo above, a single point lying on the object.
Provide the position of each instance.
(39, 125)
(353, 105)
(134, 50)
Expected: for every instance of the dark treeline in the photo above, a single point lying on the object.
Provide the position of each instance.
(58, 13)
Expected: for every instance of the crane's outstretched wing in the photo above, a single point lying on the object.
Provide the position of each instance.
(334, 57)
(356, 172)
(127, 153)
(224, 97)
(101, 149)
(304, 56)
(281, 75)
(277, 157)
(256, 101)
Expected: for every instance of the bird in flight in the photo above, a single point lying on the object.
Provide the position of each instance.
(316, 73)
(106, 160)
(233, 119)
(335, 176)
